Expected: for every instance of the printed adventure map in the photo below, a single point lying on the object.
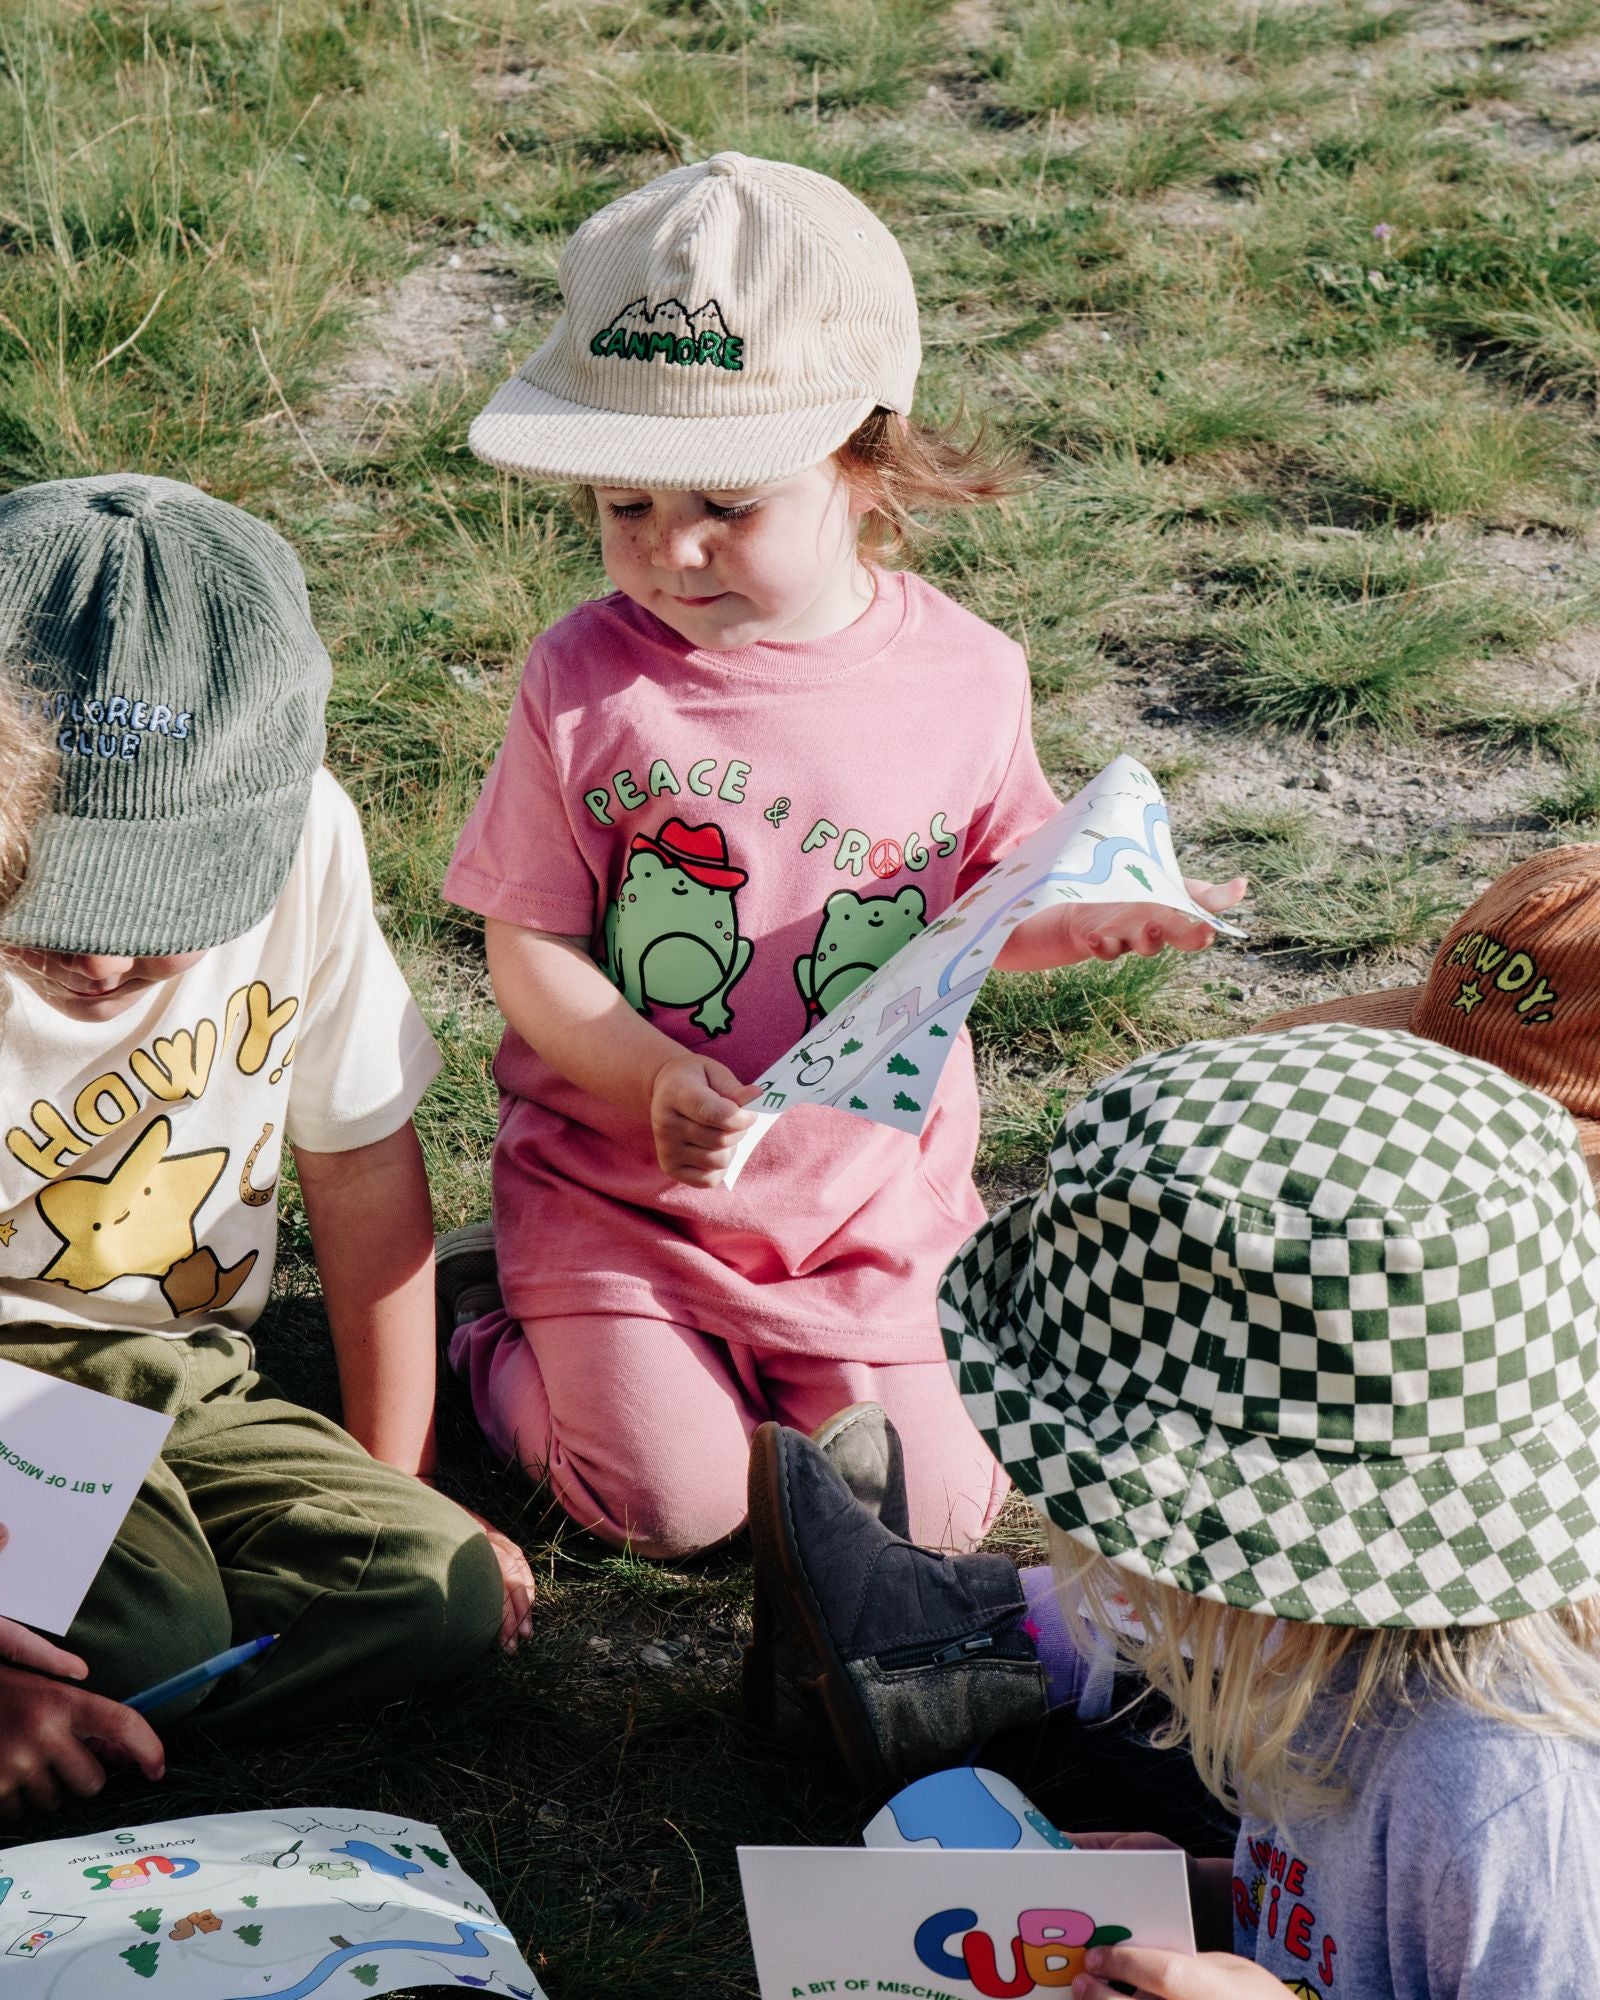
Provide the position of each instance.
(274, 1905)
(880, 1052)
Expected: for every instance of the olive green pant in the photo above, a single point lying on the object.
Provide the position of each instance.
(260, 1516)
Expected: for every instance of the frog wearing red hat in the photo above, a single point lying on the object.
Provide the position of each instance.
(672, 936)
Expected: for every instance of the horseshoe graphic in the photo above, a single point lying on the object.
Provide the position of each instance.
(255, 1197)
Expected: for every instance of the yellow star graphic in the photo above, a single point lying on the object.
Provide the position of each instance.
(1468, 997)
(7, 1231)
(136, 1222)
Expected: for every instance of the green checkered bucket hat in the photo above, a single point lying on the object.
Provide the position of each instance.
(1306, 1323)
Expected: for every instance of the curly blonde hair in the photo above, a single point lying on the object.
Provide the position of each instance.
(27, 770)
(1242, 1716)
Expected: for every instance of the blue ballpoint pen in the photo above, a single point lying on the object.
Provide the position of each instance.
(197, 1677)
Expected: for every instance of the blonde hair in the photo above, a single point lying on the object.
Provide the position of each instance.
(27, 769)
(1240, 1687)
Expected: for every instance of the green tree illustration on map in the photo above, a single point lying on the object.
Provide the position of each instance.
(901, 1066)
(141, 1958)
(367, 1974)
(148, 1920)
(437, 1857)
(251, 1933)
(904, 1103)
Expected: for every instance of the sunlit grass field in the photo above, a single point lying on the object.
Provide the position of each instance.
(1290, 307)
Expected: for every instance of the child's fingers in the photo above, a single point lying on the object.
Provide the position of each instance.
(28, 1649)
(122, 1736)
(696, 1177)
(1134, 1842)
(690, 1132)
(1217, 896)
(700, 1108)
(75, 1766)
(1171, 1975)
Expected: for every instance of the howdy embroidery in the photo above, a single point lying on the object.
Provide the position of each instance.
(1499, 969)
(670, 331)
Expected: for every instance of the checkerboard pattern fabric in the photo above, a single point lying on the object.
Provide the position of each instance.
(1305, 1322)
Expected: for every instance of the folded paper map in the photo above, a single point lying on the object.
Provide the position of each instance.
(251, 1906)
(880, 1052)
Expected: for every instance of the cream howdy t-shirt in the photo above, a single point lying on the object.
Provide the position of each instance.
(141, 1155)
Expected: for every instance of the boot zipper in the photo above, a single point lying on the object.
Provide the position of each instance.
(1010, 1644)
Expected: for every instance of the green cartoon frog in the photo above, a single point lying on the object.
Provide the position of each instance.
(858, 934)
(672, 936)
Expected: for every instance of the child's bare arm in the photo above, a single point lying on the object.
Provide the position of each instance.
(372, 1230)
(563, 1005)
(1071, 932)
(371, 1220)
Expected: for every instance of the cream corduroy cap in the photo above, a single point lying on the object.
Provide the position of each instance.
(727, 325)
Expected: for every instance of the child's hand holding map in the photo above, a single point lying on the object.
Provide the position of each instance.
(880, 1053)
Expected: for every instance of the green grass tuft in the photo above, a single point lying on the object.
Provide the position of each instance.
(1299, 660)
(1575, 802)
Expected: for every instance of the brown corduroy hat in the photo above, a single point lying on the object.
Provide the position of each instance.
(1515, 983)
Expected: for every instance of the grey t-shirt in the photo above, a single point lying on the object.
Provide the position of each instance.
(1464, 1864)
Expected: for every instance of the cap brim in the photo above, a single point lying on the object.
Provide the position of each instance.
(152, 888)
(1232, 1515)
(526, 429)
(1393, 1009)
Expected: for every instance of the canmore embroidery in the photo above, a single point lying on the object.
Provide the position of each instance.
(641, 332)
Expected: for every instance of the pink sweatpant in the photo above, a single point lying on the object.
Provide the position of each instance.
(642, 1427)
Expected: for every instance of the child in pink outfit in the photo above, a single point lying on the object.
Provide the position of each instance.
(727, 793)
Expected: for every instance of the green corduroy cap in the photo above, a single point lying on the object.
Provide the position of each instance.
(167, 639)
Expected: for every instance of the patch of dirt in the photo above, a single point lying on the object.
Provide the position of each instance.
(446, 319)
(1553, 110)
(1192, 208)
(973, 22)
(516, 76)
(1461, 808)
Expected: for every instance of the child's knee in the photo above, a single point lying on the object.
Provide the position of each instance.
(441, 1595)
(682, 1513)
(955, 1499)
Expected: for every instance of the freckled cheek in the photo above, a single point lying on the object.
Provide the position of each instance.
(765, 568)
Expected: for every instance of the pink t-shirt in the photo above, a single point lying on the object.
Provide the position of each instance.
(745, 835)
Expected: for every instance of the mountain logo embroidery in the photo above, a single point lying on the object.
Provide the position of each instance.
(642, 332)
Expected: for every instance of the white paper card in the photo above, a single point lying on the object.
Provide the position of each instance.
(880, 1053)
(278, 1904)
(71, 1462)
(840, 1920)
